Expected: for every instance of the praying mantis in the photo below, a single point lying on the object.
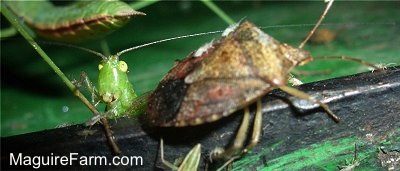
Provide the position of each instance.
(158, 56)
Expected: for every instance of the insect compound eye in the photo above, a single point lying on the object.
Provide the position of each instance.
(123, 66)
(100, 66)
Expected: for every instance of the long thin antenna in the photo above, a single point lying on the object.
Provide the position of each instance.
(74, 46)
(330, 2)
(168, 39)
(375, 67)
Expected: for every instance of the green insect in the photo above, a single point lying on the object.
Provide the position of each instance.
(114, 88)
(78, 22)
(189, 163)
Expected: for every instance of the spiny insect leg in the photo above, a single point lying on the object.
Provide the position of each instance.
(85, 80)
(303, 95)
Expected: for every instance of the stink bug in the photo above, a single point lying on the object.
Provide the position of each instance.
(226, 75)
(230, 74)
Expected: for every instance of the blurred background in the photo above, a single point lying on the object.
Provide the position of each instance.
(33, 97)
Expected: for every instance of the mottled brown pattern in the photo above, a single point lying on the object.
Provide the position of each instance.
(233, 73)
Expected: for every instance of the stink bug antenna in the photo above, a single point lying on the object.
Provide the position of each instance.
(347, 58)
(76, 47)
(165, 40)
(330, 2)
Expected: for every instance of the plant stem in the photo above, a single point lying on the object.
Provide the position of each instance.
(218, 11)
(23, 30)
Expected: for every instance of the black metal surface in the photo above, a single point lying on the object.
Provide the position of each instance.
(364, 100)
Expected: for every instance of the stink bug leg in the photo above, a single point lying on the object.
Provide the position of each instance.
(303, 95)
(242, 132)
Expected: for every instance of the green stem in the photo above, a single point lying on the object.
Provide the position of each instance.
(105, 48)
(144, 3)
(218, 11)
(23, 30)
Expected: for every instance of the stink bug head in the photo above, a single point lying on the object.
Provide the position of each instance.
(292, 56)
(296, 56)
(263, 49)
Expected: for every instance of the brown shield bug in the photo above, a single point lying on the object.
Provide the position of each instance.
(226, 75)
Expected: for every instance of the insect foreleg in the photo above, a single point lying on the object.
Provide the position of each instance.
(86, 83)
